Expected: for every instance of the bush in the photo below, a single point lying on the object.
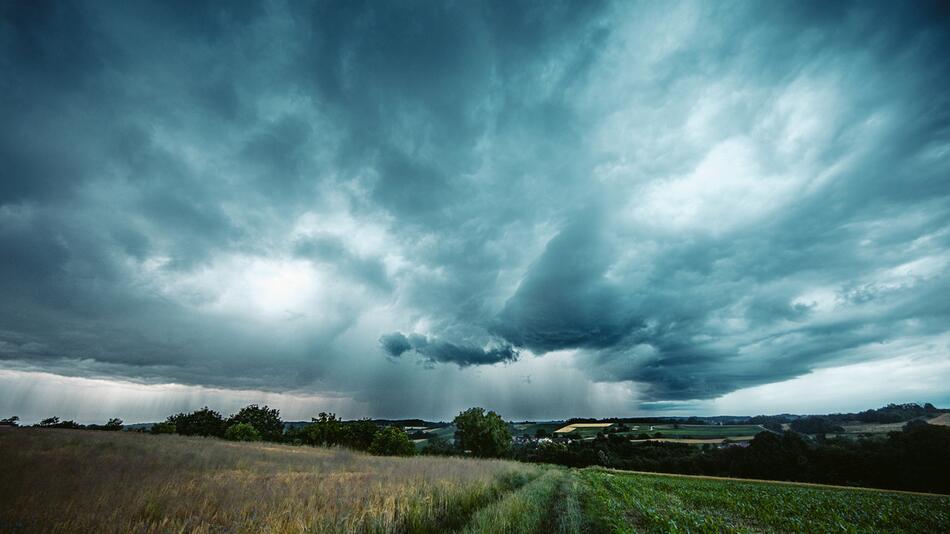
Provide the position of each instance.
(114, 425)
(163, 428)
(10, 421)
(439, 446)
(326, 430)
(266, 421)
(242, 432)
(359, 435)
(814, 424)
(392, 441)
(203, 422)
(54, 422)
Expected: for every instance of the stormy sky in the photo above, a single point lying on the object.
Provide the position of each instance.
(401, 209)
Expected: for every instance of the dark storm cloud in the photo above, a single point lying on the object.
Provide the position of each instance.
(693, 198)
(434, 350)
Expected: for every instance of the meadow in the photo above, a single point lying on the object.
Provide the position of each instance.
(618, 501)
(84, 481)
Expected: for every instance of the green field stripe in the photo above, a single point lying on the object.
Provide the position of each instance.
(616, 501)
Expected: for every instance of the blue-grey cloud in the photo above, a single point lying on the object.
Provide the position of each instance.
(688, 198)
(439, 351)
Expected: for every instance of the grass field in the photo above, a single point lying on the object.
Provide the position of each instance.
(83, 481)
(624, 502)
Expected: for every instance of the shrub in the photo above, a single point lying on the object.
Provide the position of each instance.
(392, 441)
(242, 432)
(54, 422)
(113, 425)
(203, 422)
(359, 435)
(10, 421)
(327, 430)
(266, 421)
(163, 428)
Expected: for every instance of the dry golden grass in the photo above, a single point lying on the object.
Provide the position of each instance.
(943, 419)
(85, 481)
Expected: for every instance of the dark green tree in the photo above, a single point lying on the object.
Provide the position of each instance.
(10, 421)
(266, 421)
(54, 422)
(325, 430)
(163, 428)
(439, 446)
(359, 434)
(203, 422)
(49, 421)
(242, 432)
(486, 435)
(392, 441)
(114, 424)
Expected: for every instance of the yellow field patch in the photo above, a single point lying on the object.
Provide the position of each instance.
(942, 420)
(575, 426)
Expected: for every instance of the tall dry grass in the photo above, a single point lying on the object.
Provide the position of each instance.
(84, 481)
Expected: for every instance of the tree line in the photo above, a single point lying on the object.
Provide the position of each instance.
(916, 458)
(478, 432)
(112, 425)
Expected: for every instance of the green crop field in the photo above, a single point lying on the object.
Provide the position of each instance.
(614, 501)
(82, 481)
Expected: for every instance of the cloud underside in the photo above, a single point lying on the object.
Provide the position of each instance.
(687, 198)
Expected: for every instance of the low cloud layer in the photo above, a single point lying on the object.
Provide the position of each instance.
(683, 201)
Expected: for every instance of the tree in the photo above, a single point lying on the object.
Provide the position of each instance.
(439, 446)
(326, 430)
(10, 421)
(54, 422)
(392, 441)
(163, 428)
(814, 424)
(359, 435)
(114, 424)
(203, 422)
(50, 421)
(266, 421)
(242, 432)
(486, 435)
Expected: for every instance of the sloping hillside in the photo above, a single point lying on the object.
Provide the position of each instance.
(82, 481)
